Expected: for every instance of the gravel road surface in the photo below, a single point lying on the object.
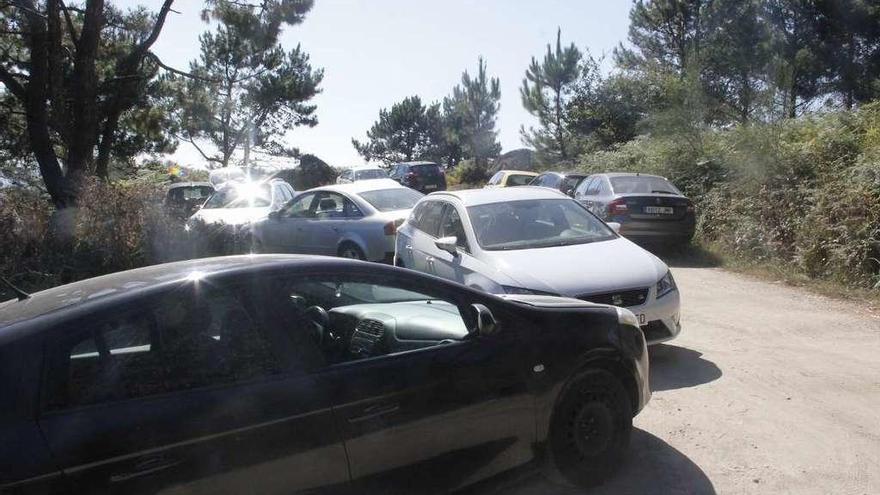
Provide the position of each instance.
(769, 389)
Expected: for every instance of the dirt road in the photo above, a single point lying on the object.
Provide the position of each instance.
(769, 389)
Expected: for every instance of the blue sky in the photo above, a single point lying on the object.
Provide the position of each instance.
(377, 52)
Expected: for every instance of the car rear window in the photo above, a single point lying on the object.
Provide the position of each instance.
(642, 185)
(426, 168)
(398, 198)
(370, 174)
(519, 180)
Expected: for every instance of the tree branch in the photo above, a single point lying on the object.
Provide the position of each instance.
(70, 27)
(179, 72)
(206, 157)
(12, 85)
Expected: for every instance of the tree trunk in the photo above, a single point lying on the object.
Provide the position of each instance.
(84, 84)
(37, 113)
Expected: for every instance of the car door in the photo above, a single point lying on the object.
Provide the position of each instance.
(584, 192)
(286, 231)
(424, 234)
(334, 215)
(186, 392)
(459, 266)
(423, 416)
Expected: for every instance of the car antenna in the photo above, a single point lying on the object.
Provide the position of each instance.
(20, 294)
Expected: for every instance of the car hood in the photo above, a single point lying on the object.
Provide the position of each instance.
(579, 269)
(230, 216)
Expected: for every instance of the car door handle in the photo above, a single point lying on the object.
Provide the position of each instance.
(375, 411)
(144, 467)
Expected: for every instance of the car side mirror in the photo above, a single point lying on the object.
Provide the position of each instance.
(448, 244)
(486, 323)
(615, 226)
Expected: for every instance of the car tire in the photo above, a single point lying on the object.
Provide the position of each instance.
(351, 250)
(589, 430)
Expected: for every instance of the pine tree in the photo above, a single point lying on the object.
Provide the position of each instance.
(471, 112)
(545, 92)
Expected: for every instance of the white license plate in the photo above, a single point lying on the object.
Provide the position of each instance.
(642, 319)
(659, 210)
(431, 187)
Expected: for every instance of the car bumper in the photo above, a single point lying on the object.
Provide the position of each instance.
(657, 230)
(659, 319)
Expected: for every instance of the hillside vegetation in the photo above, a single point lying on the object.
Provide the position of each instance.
(804, 193)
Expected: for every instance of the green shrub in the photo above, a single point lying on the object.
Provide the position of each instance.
(803, 194)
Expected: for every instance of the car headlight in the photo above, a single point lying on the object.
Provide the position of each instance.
(665, 285)
(521, 290)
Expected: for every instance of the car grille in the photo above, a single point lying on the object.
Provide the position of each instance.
(623, 298)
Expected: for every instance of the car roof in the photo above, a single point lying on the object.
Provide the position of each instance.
(417, 163)
(116, 286)
(473, 197)
(360, 186)
(178, 185)
(630, 174)
(365, 167)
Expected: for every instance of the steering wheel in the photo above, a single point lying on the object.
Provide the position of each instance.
(320, 322)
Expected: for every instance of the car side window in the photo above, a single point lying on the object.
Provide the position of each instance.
(180, 341)
(584, 186)
(351, 210)
(428, 220)
(301, 207)
(368, 317)
(451, 225)
(539, 180)
(330, 205)
(496, 178)
(346, 175)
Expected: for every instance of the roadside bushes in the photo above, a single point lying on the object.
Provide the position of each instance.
(802, 194)
(114, 227)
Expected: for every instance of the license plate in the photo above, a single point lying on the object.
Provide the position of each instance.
(642, 319)
(659, 210)
(430, 187)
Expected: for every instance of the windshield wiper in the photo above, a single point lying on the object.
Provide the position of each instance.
(663, 192)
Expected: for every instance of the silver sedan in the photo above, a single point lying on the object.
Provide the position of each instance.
(356, 220)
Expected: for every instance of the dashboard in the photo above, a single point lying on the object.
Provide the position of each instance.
(376, 329)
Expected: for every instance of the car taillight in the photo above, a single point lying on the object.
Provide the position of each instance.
(391, 227)
(617, 207)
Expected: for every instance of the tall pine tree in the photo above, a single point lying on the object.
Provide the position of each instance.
(545, 92)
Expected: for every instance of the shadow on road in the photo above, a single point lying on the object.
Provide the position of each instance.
(653, 467)
(689, 256)
(675, 367)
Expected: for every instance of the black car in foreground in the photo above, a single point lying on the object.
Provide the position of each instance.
(284, 374)
(424, 177)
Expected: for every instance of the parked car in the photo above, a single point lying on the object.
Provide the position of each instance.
(647, 207)
(509, 178)
(424, 177)
(284, 374)
(532, 240)
(356, 220)
(565, 182)
(361, 173)
(182, 199)
(226, 215)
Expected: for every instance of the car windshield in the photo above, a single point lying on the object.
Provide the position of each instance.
(241, 196)
(642, 185)
(519, 179)
(536, 223)
(398, 198)
(376, 173)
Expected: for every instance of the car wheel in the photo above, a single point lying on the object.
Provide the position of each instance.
(351, 251)
(590, 429)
